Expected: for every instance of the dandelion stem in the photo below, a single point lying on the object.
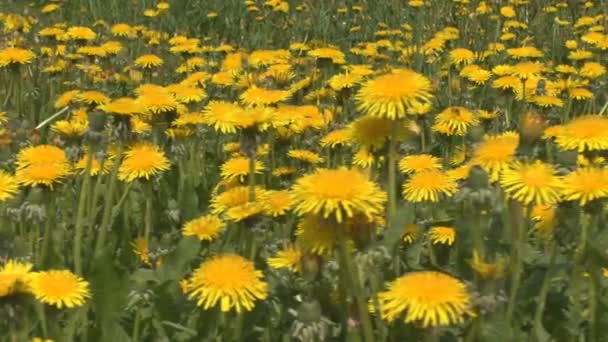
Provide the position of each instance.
(149, 208)
(46, 239)
(392, 176)
(352, 273)
(544, 291)
(252, 177)
(107, 209)
(82, 202)
(517, 242)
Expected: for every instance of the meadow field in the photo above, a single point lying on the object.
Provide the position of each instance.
(303, 170)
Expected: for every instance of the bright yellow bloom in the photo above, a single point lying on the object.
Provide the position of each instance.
(429, 297)
(9, 186)
(230, 280)
(429, 185)
(442, 235)
(289, 258)
(536, 183)
(142, 161)
(393, 95)
(419, 162)
(585, 185)
(238, 168)
(585, 133)
(60, 288)
(206, 228)
(338, 193)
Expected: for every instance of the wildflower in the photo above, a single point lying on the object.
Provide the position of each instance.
(238, 168)
(305, 156)
(9, 186)
(584, 133)
(487, 270)
(442, 235)
(206, 228)
(419, 162)
(142, 161)
(14, 277)
(531, 183)
(277, 202)
(585, 185)
(228, 279)
(429, 297)
(337, 193)
(495, 153)
(60, 288)
(41, 165)
(429, 185)
(289, 258)
(392, 95)
(455, 121)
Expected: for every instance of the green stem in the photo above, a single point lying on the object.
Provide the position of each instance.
(82, 201)
(252, 177)
(149, 208)
(107, 208)
(50, 219)
(392, 176)
(544, 291)
(517, 242)
(136, 325)
(352, 272)
(594, 298)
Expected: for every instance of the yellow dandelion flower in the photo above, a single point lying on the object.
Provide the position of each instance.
(393, 95)
(495, 153)
(238, 167)
(277, 202)
(92, 97)
(344, 81)
(206, 228)
(305, 156)
(255, 96)
(536, 183)
(441, 235)
(334, 55)
(15, 56)
(234, 197)
(338, 193)
(289, 258)
(544, 216)
(81, 33)
(157, 102)
(363, 159)
(429, 297)
(585, 185)
(429, 185)
(584, 133)
(148, 61)
(230, 280)
(462, 56)
(486, 270)
(9, 186)
(142, 161)
(60, 288)
(14, 277)
(97, 167)
(141, 249)
(410, 233)
(41, 165)
(455, 121)
(335, 138)
(419, 162)
(123, 106)
(223, 116)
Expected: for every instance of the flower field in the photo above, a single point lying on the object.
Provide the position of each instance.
(303, 170)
